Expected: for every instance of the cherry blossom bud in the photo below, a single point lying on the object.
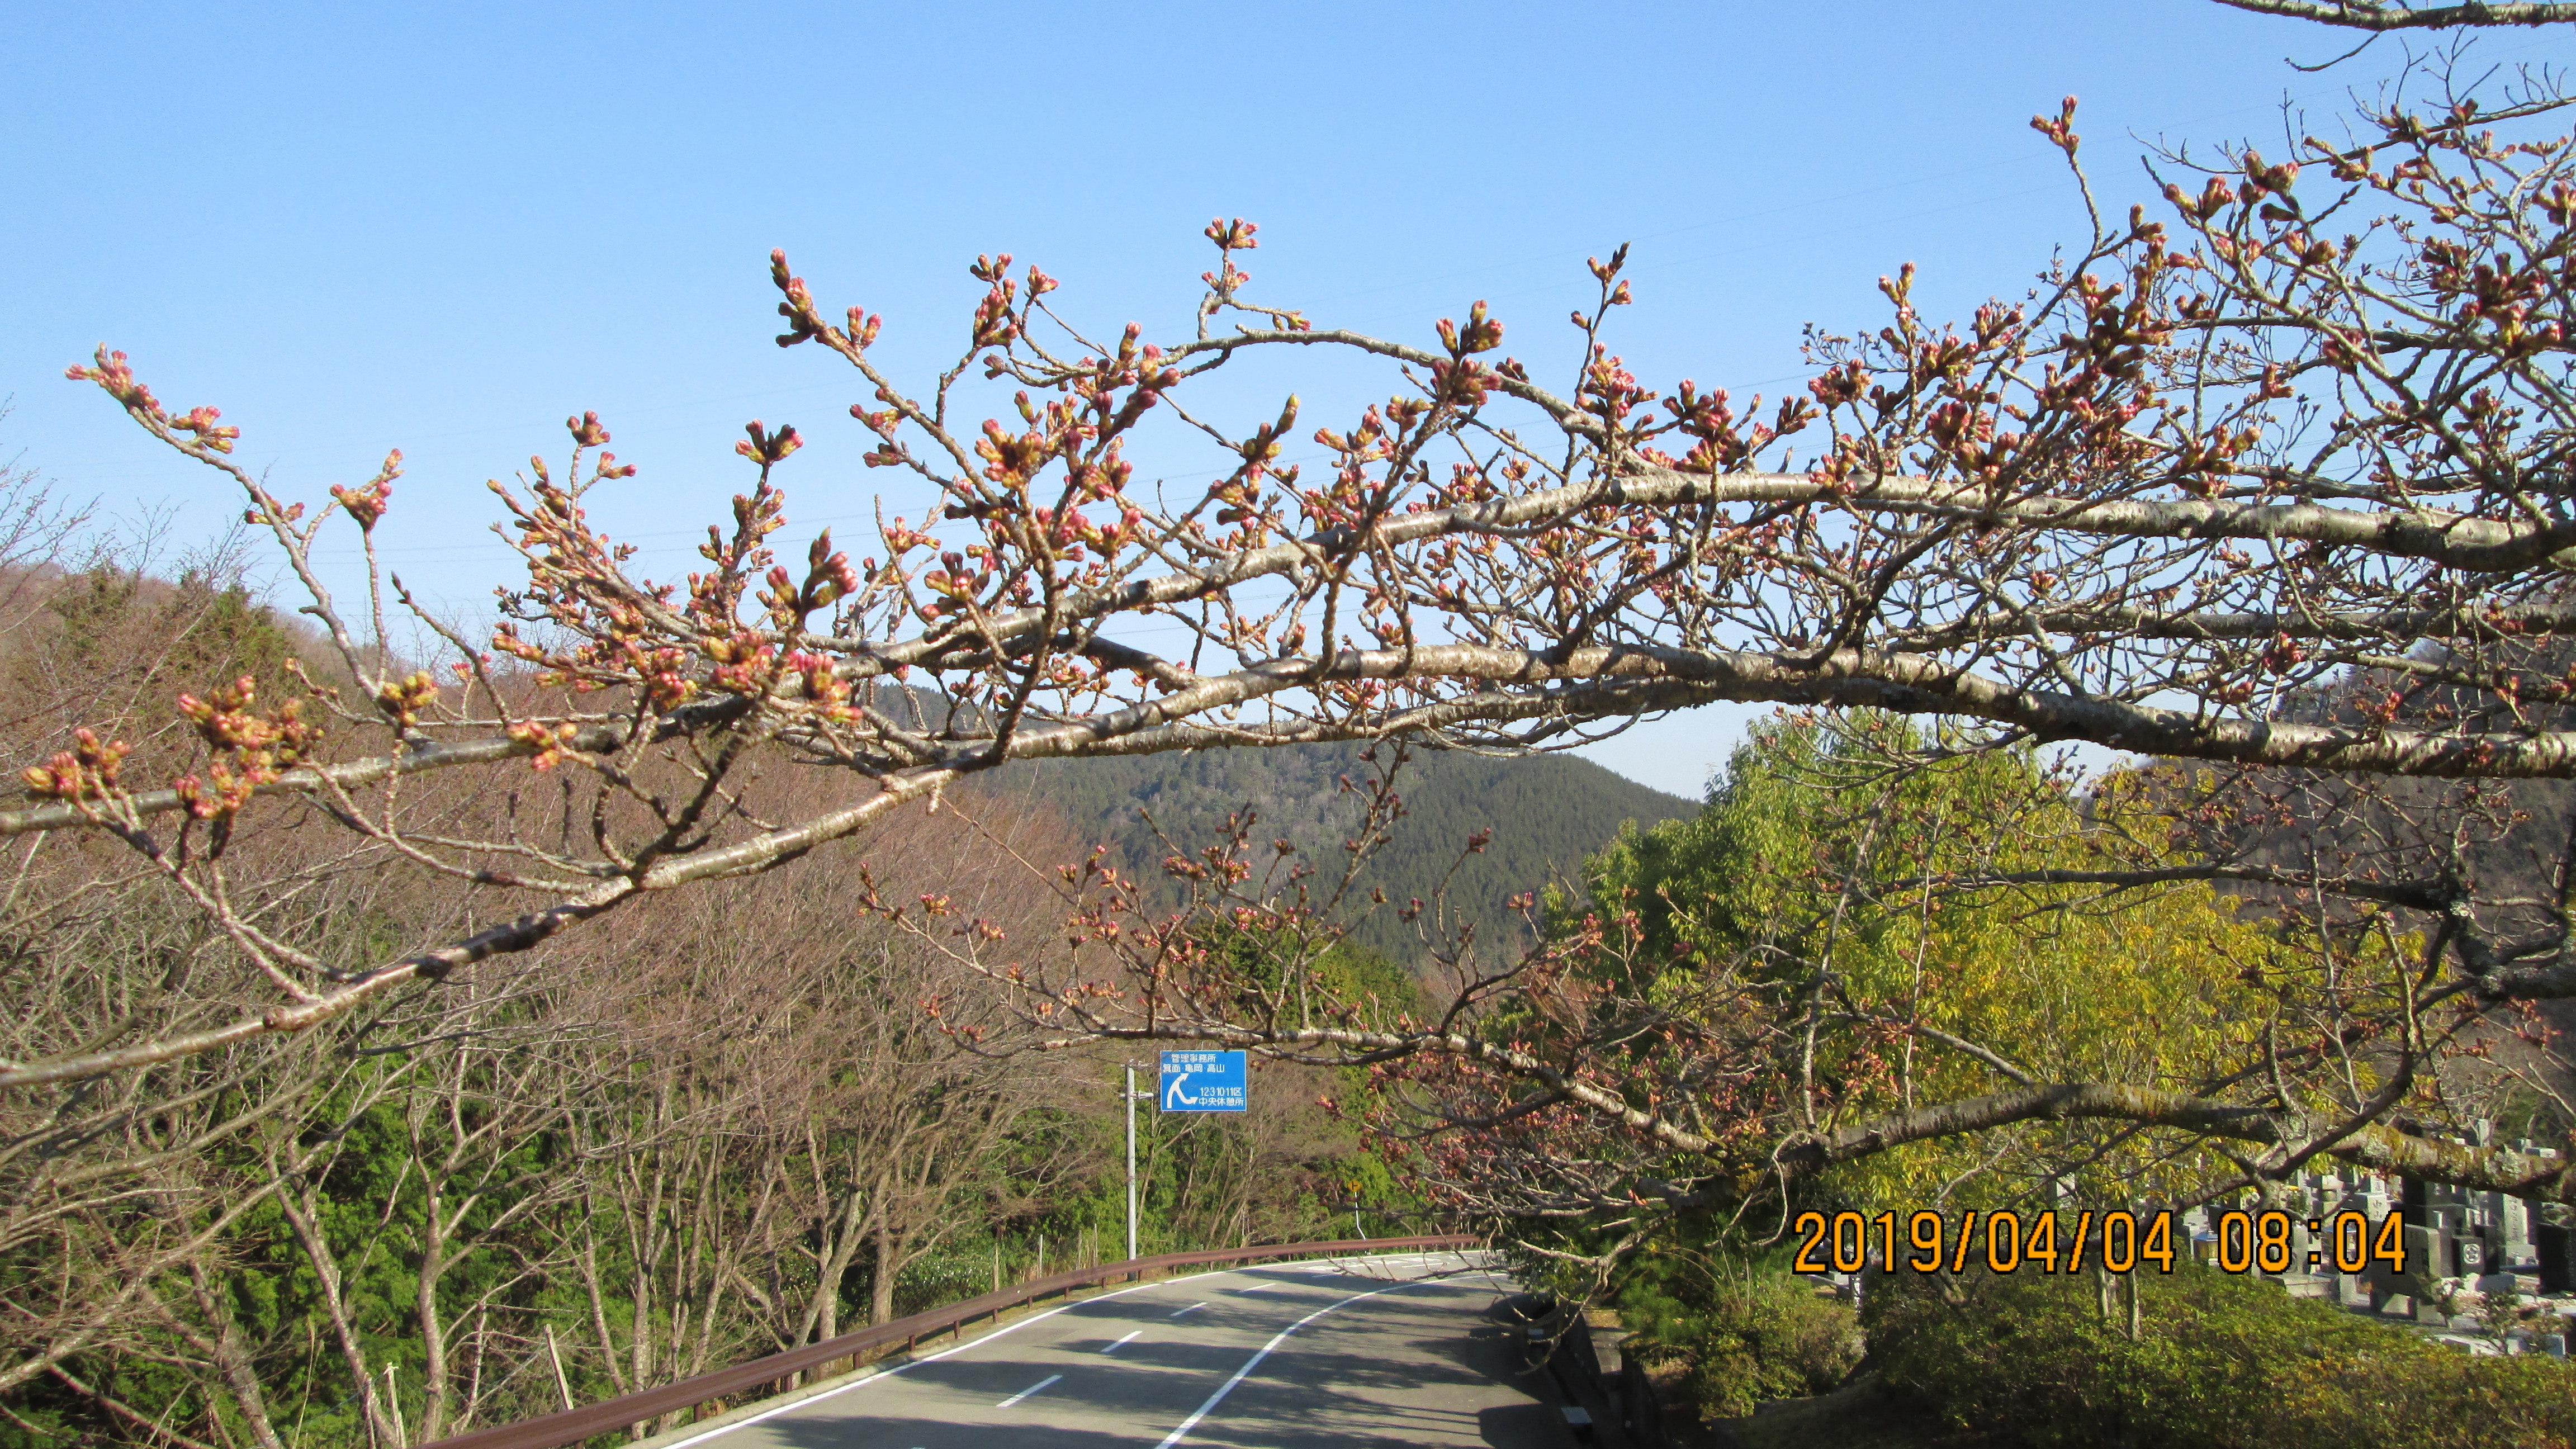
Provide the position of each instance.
(768, 448)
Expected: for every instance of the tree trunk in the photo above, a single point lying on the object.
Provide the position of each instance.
(881, 1292)
(433, 1328)
(302, 1208)
(232, 1356)
(823, 1319)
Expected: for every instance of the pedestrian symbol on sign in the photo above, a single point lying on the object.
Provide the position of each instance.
(1205, 1082)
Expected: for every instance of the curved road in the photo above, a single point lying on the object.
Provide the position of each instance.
(1410, 1350)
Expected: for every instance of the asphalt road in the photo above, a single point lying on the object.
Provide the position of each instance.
(1411, 1350)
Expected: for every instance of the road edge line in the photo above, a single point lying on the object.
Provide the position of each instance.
(1192, 1422)
(771, 1409)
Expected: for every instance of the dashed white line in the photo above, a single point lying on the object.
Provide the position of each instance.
(880, 1376)
(1254, 1362)
(1193, 1308)
(805, 1401)
(1121, 1342)
(1031, 1389)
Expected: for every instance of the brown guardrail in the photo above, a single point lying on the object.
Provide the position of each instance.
(616, 1415)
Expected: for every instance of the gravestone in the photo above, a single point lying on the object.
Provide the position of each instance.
(2513, 1229)
(2428, 1255)
(2555, 1247)
(2381, 1280)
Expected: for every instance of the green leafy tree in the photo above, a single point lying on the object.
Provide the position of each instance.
(1901, 933)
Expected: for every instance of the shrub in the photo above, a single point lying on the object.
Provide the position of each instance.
(1743, 1332)
(2218, 1361)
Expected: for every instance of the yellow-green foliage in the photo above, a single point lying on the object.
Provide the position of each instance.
(1813, 865)
(2218, 1362)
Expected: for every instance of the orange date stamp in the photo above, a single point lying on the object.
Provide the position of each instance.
(2118, 1241)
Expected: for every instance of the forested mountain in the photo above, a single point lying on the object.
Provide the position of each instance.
(1546, 812)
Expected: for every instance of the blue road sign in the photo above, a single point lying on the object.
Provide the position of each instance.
(1205, 1082)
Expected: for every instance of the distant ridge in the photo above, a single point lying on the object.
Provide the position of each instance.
(1546, 813)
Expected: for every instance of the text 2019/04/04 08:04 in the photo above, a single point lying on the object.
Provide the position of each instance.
(2008, 1242)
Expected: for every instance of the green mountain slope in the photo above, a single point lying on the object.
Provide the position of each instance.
(1545, 812)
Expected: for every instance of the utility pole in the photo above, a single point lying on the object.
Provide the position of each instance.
(1131, 1159)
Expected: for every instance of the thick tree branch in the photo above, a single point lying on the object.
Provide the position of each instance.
(2378, 15)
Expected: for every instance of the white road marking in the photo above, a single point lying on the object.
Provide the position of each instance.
(883, 1374)
(1193, 1308)
(1255, 1288)
(1031, 1389)
(1254, 1362)
(1121, 1343)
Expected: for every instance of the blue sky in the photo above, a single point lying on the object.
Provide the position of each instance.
(444, 228)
